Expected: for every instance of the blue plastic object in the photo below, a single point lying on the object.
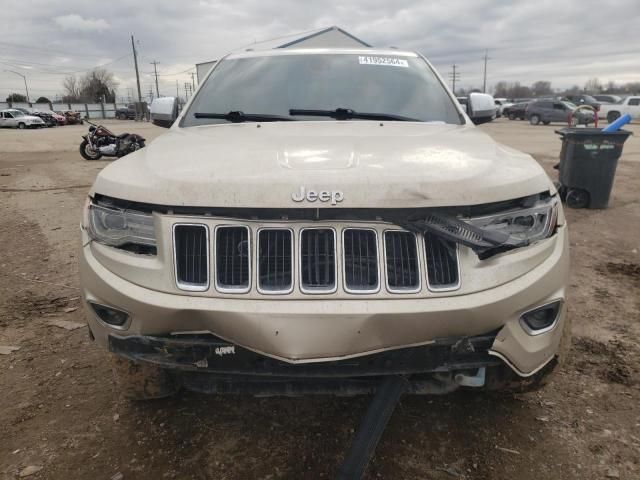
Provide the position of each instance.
(615, 126)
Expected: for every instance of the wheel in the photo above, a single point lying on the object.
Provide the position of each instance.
(142, 381)
(534, 119)
(87, 152)
(577, 198)
(546, 123)
(22, 126)
(122, 116)
(512, 116)
(612, 116)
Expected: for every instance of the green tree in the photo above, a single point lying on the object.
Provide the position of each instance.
(16, 97)
(43, 100)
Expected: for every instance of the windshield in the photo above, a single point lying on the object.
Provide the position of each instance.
(572, 106)
(274, 85)
(16, 113)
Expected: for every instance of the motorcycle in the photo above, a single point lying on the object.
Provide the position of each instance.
(100, 141)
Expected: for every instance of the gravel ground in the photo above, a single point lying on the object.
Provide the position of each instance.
(61, 417)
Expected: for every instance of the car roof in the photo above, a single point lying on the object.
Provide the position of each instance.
(248, 53)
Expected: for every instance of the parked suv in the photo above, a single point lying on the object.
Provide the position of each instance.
(294, 232)
(547, 111)
(17, 119)
(583, 100)
(516, 111)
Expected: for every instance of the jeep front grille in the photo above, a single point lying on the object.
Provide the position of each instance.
(360, 250)
(191, 256)
(233, 259)
(312, 260)
(275, 260)
(318, 260)
(442, 262)
(403, 274)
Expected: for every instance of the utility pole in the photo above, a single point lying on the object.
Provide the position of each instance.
(454, 76)
(186, 95)
(155, 72)
(150, 93)
(484, 83)
(135, 61)
(193, 82)
(177, 92)
(24, 77)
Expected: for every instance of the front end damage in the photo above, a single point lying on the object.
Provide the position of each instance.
(207, 364)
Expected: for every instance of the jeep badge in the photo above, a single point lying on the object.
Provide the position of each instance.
(334, 197)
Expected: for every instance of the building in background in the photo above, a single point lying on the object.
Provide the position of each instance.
(331, 37)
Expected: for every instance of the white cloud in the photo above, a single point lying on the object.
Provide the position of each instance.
(76, 22)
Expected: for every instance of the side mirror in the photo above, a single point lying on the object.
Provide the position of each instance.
(164, 111)
(481, 107)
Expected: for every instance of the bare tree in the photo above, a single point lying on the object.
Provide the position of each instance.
(541, 87)
(71, 86)
(593, 85)
(97, 85)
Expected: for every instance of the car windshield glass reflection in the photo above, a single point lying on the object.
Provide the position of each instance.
(400, 87)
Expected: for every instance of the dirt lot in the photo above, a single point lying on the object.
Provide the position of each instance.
(59, 409)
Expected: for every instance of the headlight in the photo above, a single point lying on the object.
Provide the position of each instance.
(525, 225)
(118, 227)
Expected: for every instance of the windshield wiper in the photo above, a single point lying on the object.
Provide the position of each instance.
(347, 114)
(239, 117)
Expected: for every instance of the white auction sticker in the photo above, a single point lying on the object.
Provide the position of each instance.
(393, 62)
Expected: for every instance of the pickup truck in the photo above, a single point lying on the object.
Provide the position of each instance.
(126, 113)
(630, 105)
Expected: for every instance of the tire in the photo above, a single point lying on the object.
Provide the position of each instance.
(512, 116)
(87, 152)
(546, 123)
(612, 116)
(22, 126)
(142, 381)
(577, 198)
(534, 119)
(122, 116)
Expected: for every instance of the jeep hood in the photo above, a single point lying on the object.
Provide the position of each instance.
(373, 164)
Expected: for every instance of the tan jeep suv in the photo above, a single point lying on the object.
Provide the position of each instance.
(317, 220)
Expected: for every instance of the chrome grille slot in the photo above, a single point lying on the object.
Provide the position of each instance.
(401, 253)
(191, 256)
(233, 259)
(360, 250)
(442, 262)
(275, 260)
(317, 260)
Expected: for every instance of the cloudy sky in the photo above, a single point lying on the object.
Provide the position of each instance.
(564, 41)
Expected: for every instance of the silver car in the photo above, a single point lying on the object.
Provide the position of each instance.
(17, 119)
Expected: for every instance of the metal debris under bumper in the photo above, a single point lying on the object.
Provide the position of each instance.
(208, 364)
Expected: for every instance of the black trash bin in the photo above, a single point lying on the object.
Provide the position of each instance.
(588, 162)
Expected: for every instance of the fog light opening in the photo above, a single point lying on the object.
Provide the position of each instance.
(109, 315)
(541, 319)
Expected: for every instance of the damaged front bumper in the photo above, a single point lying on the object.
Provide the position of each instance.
(208, 364)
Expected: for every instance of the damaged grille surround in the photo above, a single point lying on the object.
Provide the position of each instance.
(315, 260)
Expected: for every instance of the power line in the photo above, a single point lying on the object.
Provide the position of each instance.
(484, 83)
(46, 50)
(176, 73)
(155, 72)
(49, 72)
(135, 62)
(454, 75)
